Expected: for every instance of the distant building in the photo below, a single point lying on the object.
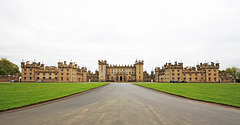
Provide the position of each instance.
(201, 73)
(126, 73)
(92, 77)
(148, 77)
(63, 73)
(226, 78)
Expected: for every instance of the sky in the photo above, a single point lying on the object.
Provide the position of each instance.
(121, 31)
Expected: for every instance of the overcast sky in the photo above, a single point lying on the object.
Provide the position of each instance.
(121, 31)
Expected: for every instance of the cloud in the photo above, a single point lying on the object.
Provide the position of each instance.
(121, 31)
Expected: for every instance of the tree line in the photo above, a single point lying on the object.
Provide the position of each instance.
(234, 72)
(8, 68)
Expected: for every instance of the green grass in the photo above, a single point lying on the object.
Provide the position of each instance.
(219, 93)
(14, 95)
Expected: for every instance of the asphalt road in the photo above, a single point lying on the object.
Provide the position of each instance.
(120, 104)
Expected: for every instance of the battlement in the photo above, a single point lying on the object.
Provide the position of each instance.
(137, 62)
(121, 66)
(65, 65)
(102, 62)
(208, 66)
(176, 65)
(32, 65)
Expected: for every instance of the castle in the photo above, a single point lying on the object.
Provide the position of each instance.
(63, 73)
(126, 73)
(202, 73)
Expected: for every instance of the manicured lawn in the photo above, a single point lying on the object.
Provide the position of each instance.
(219, 93)
(19, 94)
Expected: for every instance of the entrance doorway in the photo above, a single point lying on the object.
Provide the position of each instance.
(120, 78)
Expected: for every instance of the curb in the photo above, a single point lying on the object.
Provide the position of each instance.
(47, 101)
(215, 103)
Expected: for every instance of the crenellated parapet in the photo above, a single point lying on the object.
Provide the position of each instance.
(102, 62)
(32, 65)
(65, 65)
(139, 62)
(176, 65)
(208, 66)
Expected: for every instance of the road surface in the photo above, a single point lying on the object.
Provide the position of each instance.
(123, 104)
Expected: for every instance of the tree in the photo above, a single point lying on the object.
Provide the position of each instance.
(1, 71)
(233, 71)
(7, 67)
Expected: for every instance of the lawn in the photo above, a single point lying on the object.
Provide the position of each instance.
(219, 93)
(20, 94)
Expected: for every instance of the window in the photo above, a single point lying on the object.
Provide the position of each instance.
(139, 72)
(214, 74)
(61, 78)
(139, 69)
(24, 78)
(67, 69)
(62, 69)
(25, 70)
(209, 74)
(209, 70)
(139, 66)
(172, 70)
(43, 78)
(67, 79)
(25, 73)
(178, 74)
(30, 69)
(49, 73)
(190, 79)
(184, 74)
(195, 74)
(67, 73)
(55, 78)
(37, 78)
(43, 73)
(184, 79)
(178, 70)
(190, 74)
(49, 78)
(30, 78)
(215, 79)
(214, 70)
(173, 74)
(139, 77)
(55, 73)
(201, 74)
(196, 79)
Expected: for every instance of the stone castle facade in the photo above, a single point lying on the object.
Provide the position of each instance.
(35, 72)
(126, 73)
(203, 73)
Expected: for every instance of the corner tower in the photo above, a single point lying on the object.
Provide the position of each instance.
(139, 70)
(102, 68)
